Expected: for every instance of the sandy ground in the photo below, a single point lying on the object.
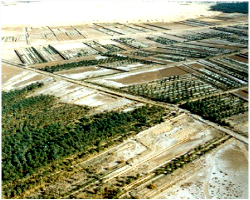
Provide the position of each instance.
(100, 11)
(243, 93)
(240, 59)
(94, 100)
(225, 177)
(196, 65)
(86, 72)
(9, 71)
(19, 78)
(67, 46)
(240, 122)
(124, 79)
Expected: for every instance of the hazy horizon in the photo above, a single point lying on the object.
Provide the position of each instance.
(65, 12)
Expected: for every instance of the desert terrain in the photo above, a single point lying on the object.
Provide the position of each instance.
(169, 89)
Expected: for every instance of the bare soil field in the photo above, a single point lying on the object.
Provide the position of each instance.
(243, 93)
(238, 58)
(240, 123)
(196, 65)
(139, 77)
(9, 71)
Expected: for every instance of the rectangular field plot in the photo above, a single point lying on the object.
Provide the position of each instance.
(243, 93)
(228, 42)
(86, 72)
(191, 51)
(74, 50)
(240, 58)
(161, 39)
(30, 56)
(239, 123)
(119, 28)
(197, 23)
(196, 65)
(228, 66)
(172, 89)
(131, 42)
(210, 44)
(126, 79)
(126, 65)
(49, 53)
(89, 31)
(217, 78)
(109, 46)
(159, 55)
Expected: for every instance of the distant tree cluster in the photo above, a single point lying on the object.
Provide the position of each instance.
(110, 58)
(236, 7)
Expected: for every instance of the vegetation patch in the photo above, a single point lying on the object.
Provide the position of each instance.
(39, 132)
(110, 59)
(236, 7)
(218, 107)
(172, 89)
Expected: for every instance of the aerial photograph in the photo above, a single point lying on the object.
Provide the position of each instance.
(143, 99)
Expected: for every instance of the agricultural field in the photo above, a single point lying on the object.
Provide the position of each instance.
(153, 109)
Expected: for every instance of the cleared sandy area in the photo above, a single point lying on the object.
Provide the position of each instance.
(14, 78)
(9, 71)
(86, 72)
(240, 123)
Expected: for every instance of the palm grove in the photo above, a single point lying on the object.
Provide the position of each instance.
(39, 133)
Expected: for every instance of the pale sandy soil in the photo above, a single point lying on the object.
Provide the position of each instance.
(94, 100)
(67, 46)
(240, 122)
(243, 93)
(21, 78)
(9, 71)
(225, 176)
(86, 72)
(124, 79)
(114, 105)
(53, 12)
(9, 54)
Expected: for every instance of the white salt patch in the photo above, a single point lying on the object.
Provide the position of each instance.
(116, 104)
(89, 74)
(68, 46)
(77, 94)
(93, 101)
(100, 57)
(131, 152)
